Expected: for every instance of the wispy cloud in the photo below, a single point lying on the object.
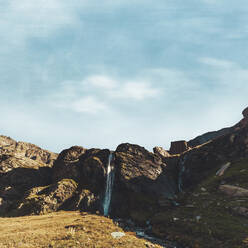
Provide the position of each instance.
(97, 92)
(135, 91)
(88, 104)
(219, 63)
(101, 81)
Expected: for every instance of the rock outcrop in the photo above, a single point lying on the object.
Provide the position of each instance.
(86, 167)
(245, 113)
(233, 191)
(200, 161)
(41, 200)
(67, 165)
(10, 148)
(22, 167)
(161, 152)
(142, 182)
(178, 147)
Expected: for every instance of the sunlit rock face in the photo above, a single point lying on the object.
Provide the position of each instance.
(161, 152)
(22, 167)
(15, 154)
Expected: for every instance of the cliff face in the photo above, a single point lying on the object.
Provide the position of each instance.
(22, 167)
(178, 194)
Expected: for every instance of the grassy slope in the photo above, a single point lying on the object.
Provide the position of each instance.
(64, 229)
(217, 226)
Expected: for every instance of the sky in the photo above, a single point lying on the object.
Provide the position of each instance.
(100, 73)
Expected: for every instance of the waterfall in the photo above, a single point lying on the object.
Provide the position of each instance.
(181, 171)
(109, 186)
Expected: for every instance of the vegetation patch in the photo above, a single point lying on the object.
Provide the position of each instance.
(65, 229)
(206, 217)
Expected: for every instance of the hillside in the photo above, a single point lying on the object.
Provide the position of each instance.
(65, 229)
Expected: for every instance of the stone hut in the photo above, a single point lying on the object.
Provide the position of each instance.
(178, 147)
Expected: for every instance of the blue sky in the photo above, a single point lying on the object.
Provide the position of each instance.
(99, 73)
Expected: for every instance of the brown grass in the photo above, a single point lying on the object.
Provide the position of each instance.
(64, 229)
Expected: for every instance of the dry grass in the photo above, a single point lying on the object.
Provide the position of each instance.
(64, 229)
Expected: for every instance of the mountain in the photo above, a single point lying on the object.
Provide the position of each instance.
(195, 194)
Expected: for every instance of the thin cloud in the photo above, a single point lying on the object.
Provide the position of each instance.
(97, 93)
(135, 91)
(88, 104)
(217, 62)
(100, 81)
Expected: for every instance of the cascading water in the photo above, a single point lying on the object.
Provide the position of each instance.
(181, 171)
(109, 186)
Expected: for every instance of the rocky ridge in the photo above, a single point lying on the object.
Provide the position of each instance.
(22, 167)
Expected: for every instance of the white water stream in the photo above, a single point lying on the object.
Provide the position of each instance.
(109, 186)
(181, 171)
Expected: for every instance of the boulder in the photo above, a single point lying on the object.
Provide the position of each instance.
(242, 211)
(233, 191)
(93, 169)
(222, 170)
(87, 167)
(141, 179)
(67, 164)
(3, 206)
(84, 200)
(161, 152)
(137, 166)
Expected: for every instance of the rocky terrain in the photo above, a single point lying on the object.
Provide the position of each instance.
(196, 193)
(23, 166)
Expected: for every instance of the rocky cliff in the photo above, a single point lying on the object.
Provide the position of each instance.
(22, 167)
(196, 195)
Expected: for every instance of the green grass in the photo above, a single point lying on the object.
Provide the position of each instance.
(218, 226)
